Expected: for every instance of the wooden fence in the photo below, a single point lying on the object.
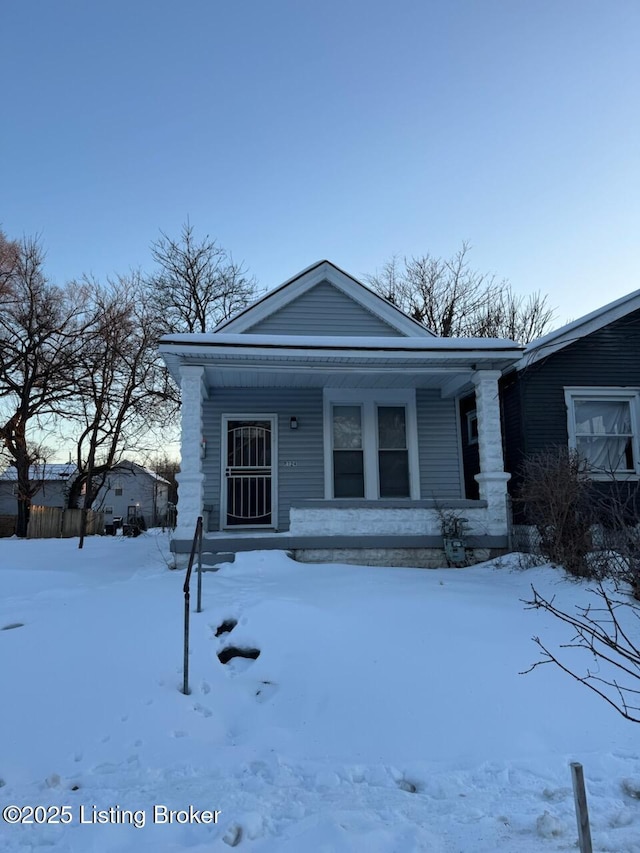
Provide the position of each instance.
(50, 522)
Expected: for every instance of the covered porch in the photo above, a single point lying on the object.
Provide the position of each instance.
(337, 448)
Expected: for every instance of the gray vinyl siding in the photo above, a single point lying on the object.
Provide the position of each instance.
(324, 310)
(608, 357)
(439, 448)
(438, 445)
(304, 446)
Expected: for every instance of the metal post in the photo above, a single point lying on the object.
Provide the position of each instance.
(199, 607)
(197, 543)
(185, 663)
(582, 812)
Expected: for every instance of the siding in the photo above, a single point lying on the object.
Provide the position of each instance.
(610, 356)
(440, 469)
(323, 310)
(437, 444)
(303, 446)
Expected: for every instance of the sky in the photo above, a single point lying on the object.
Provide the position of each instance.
(294, 131)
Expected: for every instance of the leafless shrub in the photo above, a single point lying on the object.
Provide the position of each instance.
(556, 495)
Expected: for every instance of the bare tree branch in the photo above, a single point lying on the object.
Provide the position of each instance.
(453, 300)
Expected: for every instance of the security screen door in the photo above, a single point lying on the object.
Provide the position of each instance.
(249, 473)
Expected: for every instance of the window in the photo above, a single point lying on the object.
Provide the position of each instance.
(118, 491)
(393, 459)
(371, 444)
(108, 510)
(348, 454)
(603, 428)
(472, 427)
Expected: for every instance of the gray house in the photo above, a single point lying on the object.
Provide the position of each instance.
(133, 493)
(323, 420)
(50, 481)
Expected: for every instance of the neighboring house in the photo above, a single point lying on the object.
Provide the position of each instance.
(51, 482)
(133, 493)
(579, 386)
(324, 420)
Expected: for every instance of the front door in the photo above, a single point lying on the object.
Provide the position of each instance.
(248, 488)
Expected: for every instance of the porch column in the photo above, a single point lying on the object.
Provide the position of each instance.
(492, 478)
(191, 478)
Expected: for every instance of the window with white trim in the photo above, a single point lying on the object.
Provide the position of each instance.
(371, 445)
(348, 452)
(603, 428)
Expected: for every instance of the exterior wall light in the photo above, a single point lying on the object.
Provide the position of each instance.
(293, 422)
(203, 448)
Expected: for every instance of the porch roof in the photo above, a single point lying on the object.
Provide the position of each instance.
(246, 360)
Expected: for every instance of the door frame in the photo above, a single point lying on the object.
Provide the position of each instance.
(224, 432)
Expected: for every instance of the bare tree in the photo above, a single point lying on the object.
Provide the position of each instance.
(605, 637)
(121, 384)
(40, 325)
(198, 284)
(453, 300)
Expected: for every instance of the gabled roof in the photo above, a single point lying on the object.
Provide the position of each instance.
(45, 472)
(580, 328)
(308, 278)
(135, 468)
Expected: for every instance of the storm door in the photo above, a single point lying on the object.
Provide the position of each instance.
(249, 486)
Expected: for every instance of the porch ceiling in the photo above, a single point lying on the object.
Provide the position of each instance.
(252, 361)
(310, 376)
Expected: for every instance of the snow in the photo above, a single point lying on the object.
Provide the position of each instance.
(385, 711)
(349, 343)
(45, 471)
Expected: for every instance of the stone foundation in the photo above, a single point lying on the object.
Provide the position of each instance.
(421, 558)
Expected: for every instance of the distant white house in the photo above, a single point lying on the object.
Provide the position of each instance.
(51, 481)
(134, 493)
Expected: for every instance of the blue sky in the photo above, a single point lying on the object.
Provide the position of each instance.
(293, 131)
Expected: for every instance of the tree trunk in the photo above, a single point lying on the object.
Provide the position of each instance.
(22, 524)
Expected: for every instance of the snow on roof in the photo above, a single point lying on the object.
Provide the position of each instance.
(45, 471)
(328, 342)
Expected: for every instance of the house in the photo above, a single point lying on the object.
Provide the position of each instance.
(323, 420)
(579, 387)
(133, 493)
(50, 481)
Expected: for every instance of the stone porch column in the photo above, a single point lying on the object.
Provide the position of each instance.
(492, 478)
(191, 478)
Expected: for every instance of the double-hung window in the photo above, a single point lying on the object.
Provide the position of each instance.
(603, 428)
(370, 445)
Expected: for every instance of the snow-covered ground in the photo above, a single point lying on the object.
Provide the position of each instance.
(385, 713)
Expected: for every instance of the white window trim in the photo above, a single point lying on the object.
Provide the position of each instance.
(249, 416)
(369, 400)
(592, 392)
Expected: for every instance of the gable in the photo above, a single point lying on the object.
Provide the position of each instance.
(324, 310)
(367, 313)
(582, 328)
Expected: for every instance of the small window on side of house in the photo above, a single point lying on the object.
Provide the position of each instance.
(472, 427)
(118, 491)
(108, 510)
